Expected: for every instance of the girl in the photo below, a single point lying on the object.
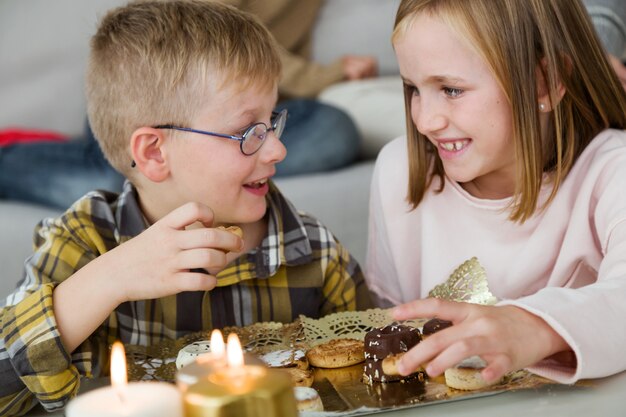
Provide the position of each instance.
(515, 154)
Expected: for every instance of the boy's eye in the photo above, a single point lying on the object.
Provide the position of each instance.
(452, 92)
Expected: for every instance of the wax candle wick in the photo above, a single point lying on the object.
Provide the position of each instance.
(121, 396)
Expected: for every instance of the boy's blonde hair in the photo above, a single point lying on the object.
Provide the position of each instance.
(515, 38)
(151, 61)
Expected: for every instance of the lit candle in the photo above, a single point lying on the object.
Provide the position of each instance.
(196, 366)
(137, 399)
(241, 390)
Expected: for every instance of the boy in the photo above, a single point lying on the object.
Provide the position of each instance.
(180, 96)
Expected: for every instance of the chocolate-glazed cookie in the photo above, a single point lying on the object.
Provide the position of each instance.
(390, 340)
(434, 325)
(385, 341)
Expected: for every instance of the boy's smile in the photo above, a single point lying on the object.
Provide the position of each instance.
(260, 187)
(459, 106)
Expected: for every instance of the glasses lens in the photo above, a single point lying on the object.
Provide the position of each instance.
(253, 138)
(278, 124)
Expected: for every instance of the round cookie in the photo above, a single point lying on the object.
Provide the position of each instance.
(336, 353)
(307, 399)
(466, 375)
(466, 379)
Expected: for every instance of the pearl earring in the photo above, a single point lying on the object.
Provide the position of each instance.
(542, 106)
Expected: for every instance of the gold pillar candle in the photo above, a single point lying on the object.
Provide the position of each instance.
(207, 363)
(241, 390)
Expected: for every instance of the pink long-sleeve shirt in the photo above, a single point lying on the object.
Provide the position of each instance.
(566, 264)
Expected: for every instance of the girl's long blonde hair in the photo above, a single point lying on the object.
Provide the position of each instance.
(516, 38)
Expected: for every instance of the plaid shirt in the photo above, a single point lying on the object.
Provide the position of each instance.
(300, 268)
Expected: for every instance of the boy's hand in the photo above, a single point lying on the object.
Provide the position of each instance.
(158, 262)
(508, 338)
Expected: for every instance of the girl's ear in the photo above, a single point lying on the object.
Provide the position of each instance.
(547, 99)
(149, 154)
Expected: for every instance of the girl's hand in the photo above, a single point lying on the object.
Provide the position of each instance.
(507, 338)
(158, 262)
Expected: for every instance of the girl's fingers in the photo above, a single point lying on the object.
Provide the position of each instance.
(455, 352)
(497, 367)
(432, 307)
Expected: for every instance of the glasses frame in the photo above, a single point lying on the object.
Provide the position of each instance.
(276, 118)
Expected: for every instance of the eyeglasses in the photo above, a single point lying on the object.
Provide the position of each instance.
(252, 139)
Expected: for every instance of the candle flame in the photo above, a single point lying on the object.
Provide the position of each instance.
(233, 351)
(217, 343)
(118, 365)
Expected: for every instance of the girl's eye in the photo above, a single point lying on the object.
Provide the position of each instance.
(452, 92)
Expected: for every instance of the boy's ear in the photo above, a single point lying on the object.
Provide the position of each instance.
(546, 100)
(149, 155)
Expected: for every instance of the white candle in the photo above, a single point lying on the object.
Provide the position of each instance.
(137, 399)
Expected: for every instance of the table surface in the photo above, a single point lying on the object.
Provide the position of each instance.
(605, 398)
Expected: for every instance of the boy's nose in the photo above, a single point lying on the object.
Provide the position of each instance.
(273, 151)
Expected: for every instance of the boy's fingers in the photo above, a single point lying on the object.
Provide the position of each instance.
(210, 238)
(431, 307)
(188, 214)
(195, 281)
(201, 258)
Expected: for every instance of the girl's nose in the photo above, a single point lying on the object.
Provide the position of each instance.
(428, 118)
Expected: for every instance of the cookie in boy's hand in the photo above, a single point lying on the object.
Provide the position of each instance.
(336, 353)
(232, 229)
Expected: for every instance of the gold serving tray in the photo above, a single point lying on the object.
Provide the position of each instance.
(342, 390)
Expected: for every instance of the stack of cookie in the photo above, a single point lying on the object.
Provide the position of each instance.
(386, 341)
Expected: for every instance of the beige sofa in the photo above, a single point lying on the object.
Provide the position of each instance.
(43, 51)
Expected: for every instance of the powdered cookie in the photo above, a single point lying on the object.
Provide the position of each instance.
(191, 352)
(336, 353)
(307, 399)
(286, 358)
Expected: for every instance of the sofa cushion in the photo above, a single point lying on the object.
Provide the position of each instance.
(43, 50)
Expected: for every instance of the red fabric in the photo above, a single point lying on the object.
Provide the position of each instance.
(12, 136)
